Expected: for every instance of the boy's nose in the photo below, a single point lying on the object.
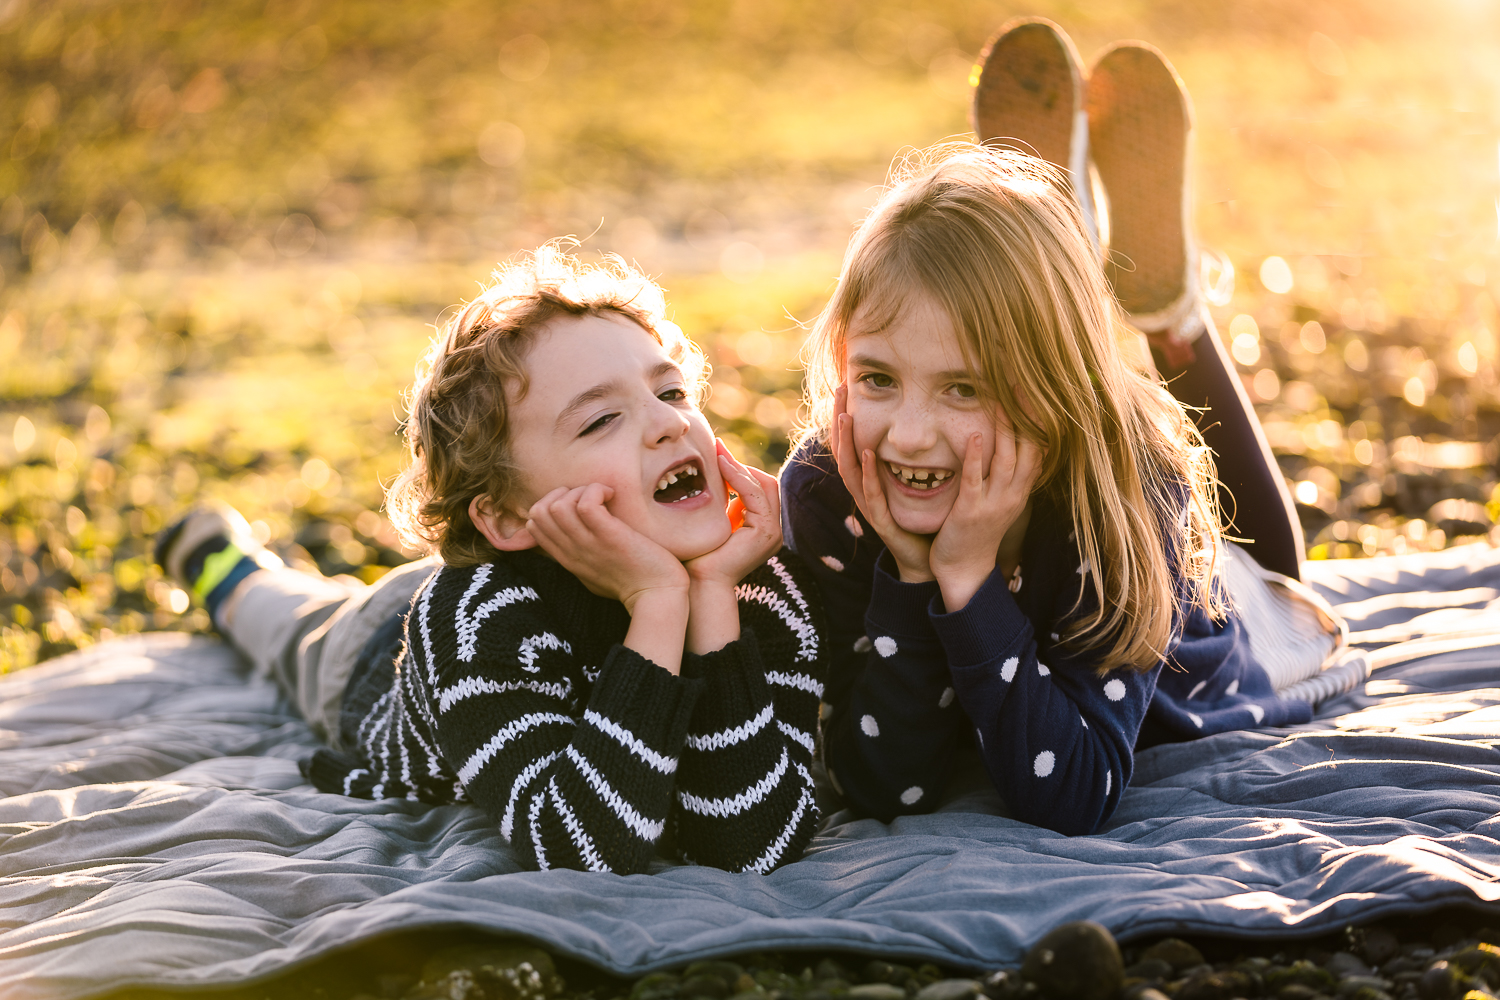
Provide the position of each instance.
(666, 423)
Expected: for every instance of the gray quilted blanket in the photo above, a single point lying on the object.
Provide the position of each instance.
(154, 828)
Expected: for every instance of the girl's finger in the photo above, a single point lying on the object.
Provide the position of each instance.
(972, 483)
(873, 503)
(840, 407)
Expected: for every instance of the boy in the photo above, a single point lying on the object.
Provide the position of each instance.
(585, 662)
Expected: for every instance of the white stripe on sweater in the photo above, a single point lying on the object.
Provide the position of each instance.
(648, 830)
(787, 582)
(580, 837)
(469, 687)
(527, 652)
(802, 682)
(737, 804)
(774, 853)
(486, 753)
(535, 813)
(467, 625)
(794, 733)
(424, 626)
(526, 777)
(729, 737)
(807, 636)
(631, 742)
(349, 780)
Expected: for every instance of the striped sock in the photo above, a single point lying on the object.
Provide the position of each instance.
(216, 567)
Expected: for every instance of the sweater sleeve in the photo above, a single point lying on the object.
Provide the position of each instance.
(1057, 739)
(573, 786)
(746, 800)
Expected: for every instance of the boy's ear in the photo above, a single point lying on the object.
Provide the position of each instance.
(503, 529)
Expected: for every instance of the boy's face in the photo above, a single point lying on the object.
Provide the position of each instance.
(606, 404)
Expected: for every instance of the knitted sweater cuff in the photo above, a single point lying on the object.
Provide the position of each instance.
(898, 608)
(986, 628)
(639, 695)
(733, 679)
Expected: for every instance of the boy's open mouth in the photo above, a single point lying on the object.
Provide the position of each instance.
(679, 484)
(919, 479)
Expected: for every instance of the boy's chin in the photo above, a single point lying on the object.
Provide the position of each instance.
(690, 545)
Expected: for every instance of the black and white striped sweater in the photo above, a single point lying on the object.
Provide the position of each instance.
(514, 692)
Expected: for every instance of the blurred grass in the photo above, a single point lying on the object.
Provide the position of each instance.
(227, 229)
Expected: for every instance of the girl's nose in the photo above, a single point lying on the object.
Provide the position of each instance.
(913, 429)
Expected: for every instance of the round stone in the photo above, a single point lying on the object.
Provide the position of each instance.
(1176, 952)
(1076, 961)
(949, 989)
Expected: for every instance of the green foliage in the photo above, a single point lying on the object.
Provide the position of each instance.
(226, 230)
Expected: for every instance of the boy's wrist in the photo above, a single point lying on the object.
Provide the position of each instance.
(713, 616)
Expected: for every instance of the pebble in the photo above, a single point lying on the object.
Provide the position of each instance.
(1076, 961)
(949, 989)
(877, 991)
(1343, 964)
(1175, 952)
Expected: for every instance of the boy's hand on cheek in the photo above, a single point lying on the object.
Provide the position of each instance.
(756, 517)
(612, 559)
(861, 475)
(965, 551)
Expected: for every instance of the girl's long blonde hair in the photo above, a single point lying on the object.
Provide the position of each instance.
(996, 239)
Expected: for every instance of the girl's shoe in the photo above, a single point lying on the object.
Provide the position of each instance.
(1140, 131)
(1029, 97)
(209, 550)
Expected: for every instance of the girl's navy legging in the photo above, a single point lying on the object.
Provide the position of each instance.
(1252, 491)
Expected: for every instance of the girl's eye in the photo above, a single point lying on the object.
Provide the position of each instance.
(598, 424)
(964, 390)
(879, 380)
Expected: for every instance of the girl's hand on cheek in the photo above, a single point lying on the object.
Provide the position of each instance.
(965, 550)
(755, 516)
(612, 559)
(861, 476)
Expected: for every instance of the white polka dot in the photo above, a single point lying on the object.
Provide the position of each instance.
(1196, 688)
(885, 646)
(1109, 780)
(1234, 687)
(980, 737)
(946, 698)
(1083, 567)
(1197, 719)
(1055, 637)
(1114, 689)
(1084, 721)
(863, 644)
(1008, 669)
(855, 528)
(870, 726)
(1256, 711)
(912, 795)
(1043, 669)
(833, 564)
(1044, 763)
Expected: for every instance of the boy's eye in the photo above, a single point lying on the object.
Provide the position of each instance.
(879, 380)
(674, 395)
(597, 424)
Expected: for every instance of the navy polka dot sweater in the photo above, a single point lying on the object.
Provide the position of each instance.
(909, 682)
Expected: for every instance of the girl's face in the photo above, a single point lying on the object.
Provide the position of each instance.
(915, 403)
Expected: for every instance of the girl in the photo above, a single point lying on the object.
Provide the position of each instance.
(1025, 524)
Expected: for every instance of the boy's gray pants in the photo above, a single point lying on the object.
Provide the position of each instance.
(307, 631)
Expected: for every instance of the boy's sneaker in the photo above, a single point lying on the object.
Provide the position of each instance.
(1140, 131)
(1029, 96)
(209, 550)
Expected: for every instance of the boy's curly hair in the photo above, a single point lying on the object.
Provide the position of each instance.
(457, 427)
